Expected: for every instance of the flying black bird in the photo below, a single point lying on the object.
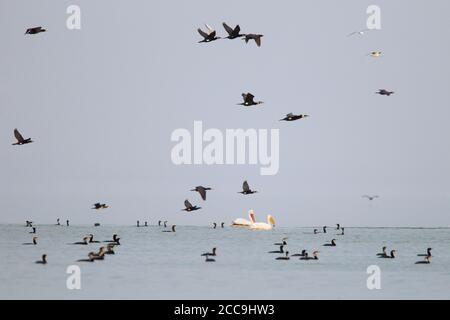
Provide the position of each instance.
(248, 100)
(98, 206)
(202, 191)
(256, 37)
(233, 33)
(246, 189)
(293, 117)
(35, 30)
(20, 139)
(370, 197)
(384, 92)
(208, 36)
(189, 206)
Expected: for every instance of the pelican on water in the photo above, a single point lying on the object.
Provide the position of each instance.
(241, 222)
(264, 226)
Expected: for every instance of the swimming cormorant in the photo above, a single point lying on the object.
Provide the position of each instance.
(314, 257)
(332, 244)
(428, 254)
(283, 243)
(90, 258)
(84, 242)
(286, 257)
(427, 260)
(91, 239)
(115, 239)
(383, 252)
(43, 260)
(34, 239)
(213, 253)
(278, 251)
(302, 254)
(391, 256)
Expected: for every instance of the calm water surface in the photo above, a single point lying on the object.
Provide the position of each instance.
(151, 264)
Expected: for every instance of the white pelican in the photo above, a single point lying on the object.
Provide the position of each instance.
(240, 222)
(264, 226)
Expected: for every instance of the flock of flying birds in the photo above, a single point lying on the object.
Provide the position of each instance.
(208, 36)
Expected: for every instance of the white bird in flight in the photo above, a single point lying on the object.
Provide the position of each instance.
(361, 33)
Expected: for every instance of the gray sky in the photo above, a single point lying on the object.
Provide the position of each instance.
(102, 102)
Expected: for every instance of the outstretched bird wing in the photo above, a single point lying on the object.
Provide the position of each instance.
(245, 186)
(202, 192)
(202, 33)
(258, 40)
(248, 97)
(187, 204)
(18, 135)
(210, 30)
(290, 114)
(228, 29)
(237, 29)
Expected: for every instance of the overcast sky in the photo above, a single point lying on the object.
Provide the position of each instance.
(101, 104)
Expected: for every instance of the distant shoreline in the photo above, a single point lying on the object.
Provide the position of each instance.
(208, 226)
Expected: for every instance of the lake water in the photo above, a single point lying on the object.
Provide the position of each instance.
(150, 264)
